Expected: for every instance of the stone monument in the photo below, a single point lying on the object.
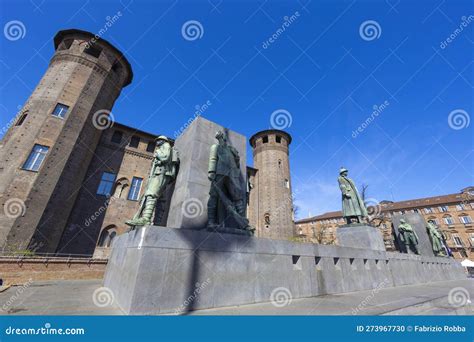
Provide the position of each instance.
(184, 267)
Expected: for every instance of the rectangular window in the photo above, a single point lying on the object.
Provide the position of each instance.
(36, 157)
(60, 110)
(134, 141)
(465, 219)
(135, 188)
(278, 139)
(151, 146)
(428, 210)
(457, 241)
(443, 209)
(93, 51)
(106, 184)
(117, 137)
(460, 207)
(265, 139)
(449, 220)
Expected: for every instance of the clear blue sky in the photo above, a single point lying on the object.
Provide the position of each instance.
(320, 69)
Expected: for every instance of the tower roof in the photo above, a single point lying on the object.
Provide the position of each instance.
(267, 132)
(61, 35)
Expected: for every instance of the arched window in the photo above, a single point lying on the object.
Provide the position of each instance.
(120, 186)
(266, 218)
(434, 220)
(107, 235)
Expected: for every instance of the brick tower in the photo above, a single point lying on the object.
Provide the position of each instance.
(43, 154)
(270, 208)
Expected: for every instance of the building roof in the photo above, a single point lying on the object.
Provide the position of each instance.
(269, 131)
(393, 206)
(59, 37)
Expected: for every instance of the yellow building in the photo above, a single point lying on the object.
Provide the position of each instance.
(453, 213)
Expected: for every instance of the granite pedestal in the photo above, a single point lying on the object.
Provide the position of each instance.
(360, 236)
(159, 270)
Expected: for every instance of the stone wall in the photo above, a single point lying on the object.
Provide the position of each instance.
(21, 270)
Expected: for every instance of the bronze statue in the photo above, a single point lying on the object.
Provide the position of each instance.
(227, 193)
(408, 236)
(163, 172)
(436, 238)
(352, 204)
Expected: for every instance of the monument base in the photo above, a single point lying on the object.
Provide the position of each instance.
(227, 230)
(159, 270)
(360, 236)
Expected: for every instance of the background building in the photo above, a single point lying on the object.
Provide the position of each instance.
(453, 213)
(270, 200)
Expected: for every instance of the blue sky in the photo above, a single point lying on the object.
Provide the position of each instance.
(323, 71)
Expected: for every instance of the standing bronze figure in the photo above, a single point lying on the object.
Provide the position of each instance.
(227, 193)
(163, 172)
(353, 206)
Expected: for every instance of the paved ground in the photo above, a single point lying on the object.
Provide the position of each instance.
(76, 298)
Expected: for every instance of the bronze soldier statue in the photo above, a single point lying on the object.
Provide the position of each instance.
(408, 236)
(163, 172)
(227, 193)
(436, 238)
(352, 204)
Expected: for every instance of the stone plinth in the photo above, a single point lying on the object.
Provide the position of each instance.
(159, 270)
(419, 226)
(360, 236)
(188, 208)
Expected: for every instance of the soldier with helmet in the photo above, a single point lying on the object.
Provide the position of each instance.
(163, 172)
